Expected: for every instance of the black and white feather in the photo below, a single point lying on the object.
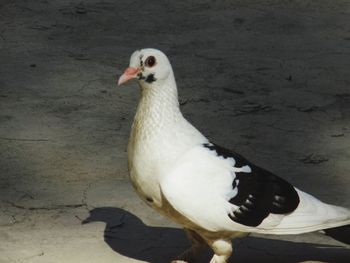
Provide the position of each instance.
(222, 191)
(259, 192)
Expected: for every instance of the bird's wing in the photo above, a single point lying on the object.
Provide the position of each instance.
(220, 190)
(217, 188)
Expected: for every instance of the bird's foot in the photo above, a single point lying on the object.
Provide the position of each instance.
(218, 259)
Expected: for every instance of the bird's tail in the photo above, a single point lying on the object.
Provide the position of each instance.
(312, 215)
(341, 233)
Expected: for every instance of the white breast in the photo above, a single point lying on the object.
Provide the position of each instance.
(153, 152)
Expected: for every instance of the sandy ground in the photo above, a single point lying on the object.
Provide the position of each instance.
(269, 79)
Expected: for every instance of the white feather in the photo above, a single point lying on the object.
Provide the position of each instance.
(310, 215)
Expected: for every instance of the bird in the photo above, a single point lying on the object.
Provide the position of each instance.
(214, 193)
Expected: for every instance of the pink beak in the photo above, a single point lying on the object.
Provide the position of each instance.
(128, 74)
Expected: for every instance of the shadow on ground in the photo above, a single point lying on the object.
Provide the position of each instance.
(128, 235)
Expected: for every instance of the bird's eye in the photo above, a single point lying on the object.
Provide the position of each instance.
(150, 61)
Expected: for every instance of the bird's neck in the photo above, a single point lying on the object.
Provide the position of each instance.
(156, 126)
(158, 107)
(159, 131)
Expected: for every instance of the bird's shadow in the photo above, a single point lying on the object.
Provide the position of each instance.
(129, 236)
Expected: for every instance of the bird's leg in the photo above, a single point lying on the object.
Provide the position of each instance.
(198, 243)
(222, 250)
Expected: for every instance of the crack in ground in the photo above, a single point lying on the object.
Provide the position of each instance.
(84, 196)
(24, 139)
(55, 207)
(33, 256)
(13, 218)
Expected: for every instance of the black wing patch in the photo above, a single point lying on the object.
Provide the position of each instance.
(259, 192)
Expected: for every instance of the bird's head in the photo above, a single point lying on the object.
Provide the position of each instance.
(148, 65)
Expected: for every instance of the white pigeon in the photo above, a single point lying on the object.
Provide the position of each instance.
(214, 193)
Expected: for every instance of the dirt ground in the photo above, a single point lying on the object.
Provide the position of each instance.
(269, 79)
